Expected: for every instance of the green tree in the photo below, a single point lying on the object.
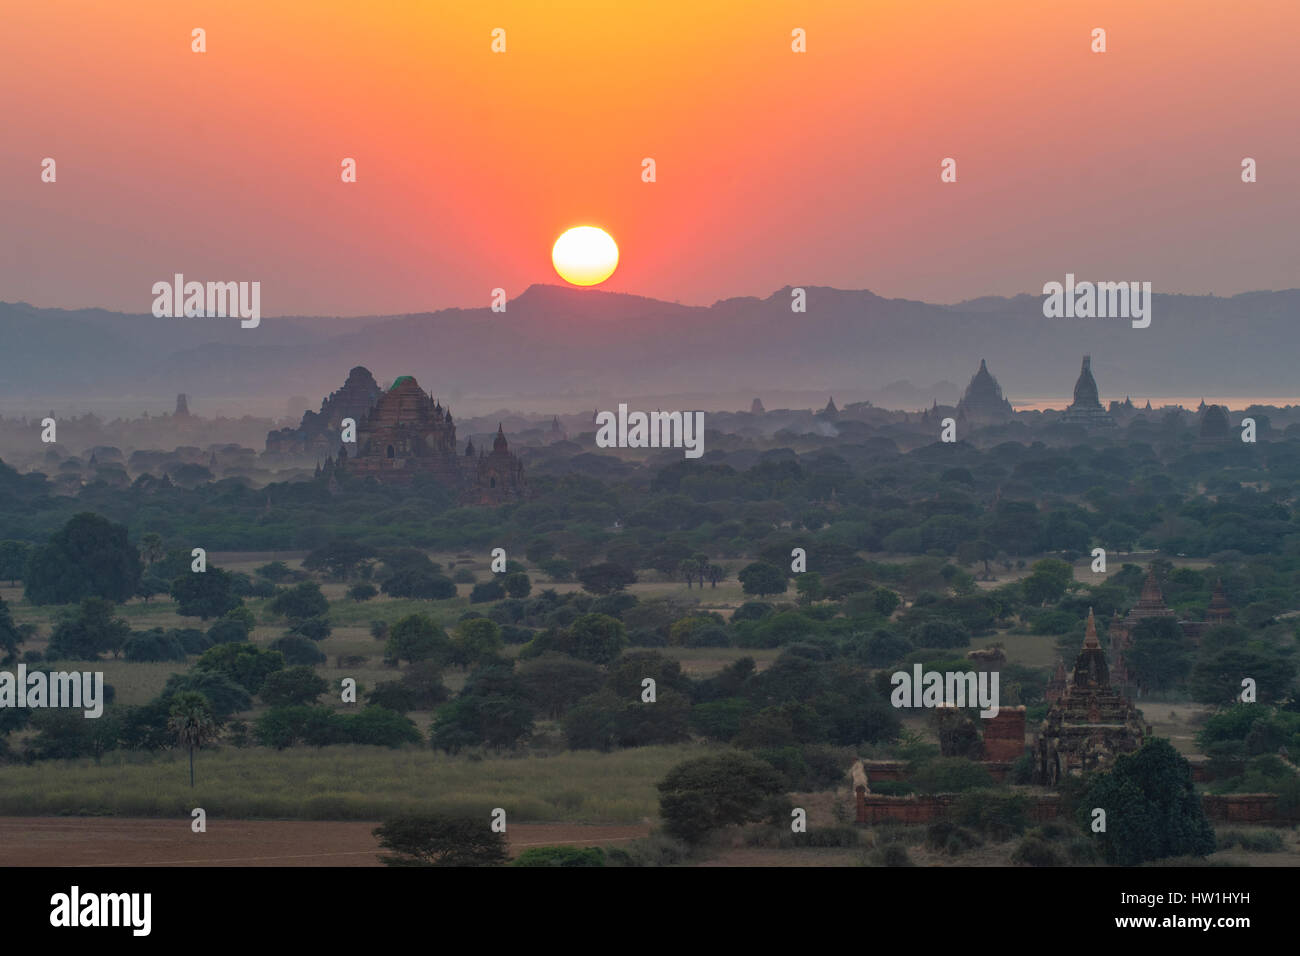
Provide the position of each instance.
(553, 683)
(518, 585)
(606, 578)
(292, 685)
(13, 558)
(1048, 581)
(441, 840)
(245, 664)
(417, 583)
(763, 579)
(708, 793)
(1217, 677)
(417, 638)
(10, 636)
(152, 549)
(88, 557)
(91, 632)
(1152, 810)
(191, 721)
(363, 591)
(477, 642)
(598, 638)
(1160, 654)
(809, 586)
(300, 602)
(380, 727)
(979, 550)
(340, 558)
(206, 594)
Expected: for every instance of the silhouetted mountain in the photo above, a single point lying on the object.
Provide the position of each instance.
(555, 340)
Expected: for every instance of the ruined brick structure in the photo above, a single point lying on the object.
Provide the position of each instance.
(1004, 735)
(1091, 723)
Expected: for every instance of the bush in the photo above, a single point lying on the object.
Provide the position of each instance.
(298, 650)
(1035, 851)
(293, 685)
(227, 631)
(950, 838)
(490, 590)
(891, 854)
(1254, 841)
(752, 611)
(363, 592)
(561, 856)
(153, 645)
(413, 583)
(998, 816)
(441, 841)
(951, 775)
(708, 793)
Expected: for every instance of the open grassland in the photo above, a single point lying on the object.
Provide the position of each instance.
(348, 783)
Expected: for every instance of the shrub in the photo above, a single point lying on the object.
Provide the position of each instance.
(561, 856)
(950, 838)
(298, 650)
(441, 841)
(998, 816)
(951, 775)
(1254, 841)
(153, 645)
(891, 854)
(491, 590)
(1035, 851)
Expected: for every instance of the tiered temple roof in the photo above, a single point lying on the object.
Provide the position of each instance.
(983, 400)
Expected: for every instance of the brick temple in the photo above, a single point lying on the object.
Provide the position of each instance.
(408, 434)
(1090, 723)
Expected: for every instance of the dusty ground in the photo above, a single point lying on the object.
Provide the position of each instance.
(101, 841)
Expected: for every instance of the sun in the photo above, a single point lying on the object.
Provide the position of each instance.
(585, 255)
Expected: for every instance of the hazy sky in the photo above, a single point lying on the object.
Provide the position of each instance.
(773, 167)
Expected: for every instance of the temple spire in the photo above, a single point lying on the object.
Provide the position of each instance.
(1090, 635)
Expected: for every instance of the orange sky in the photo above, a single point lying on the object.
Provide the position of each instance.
(774, 168)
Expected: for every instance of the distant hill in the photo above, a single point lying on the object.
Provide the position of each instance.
(587, 344)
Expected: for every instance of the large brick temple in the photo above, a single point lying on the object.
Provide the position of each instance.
(1090, 723)
(408, 434)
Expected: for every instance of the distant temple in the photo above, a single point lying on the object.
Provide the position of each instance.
(983, 402)
(182, 406)
(319, 432)
(1150, 604)
(830, 411)
(1086, 409)
(1215, 428)
(756, 407)
(1090, 723)
(409, 434)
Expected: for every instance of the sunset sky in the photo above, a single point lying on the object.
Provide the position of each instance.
(774, 168)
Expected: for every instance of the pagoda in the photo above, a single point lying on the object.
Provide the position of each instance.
(1086, 409)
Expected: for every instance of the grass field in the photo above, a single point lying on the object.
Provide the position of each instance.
(348, 783)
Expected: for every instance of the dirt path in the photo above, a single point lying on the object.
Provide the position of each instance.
(105, 841)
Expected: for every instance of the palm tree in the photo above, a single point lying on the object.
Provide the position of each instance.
(192, 722)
